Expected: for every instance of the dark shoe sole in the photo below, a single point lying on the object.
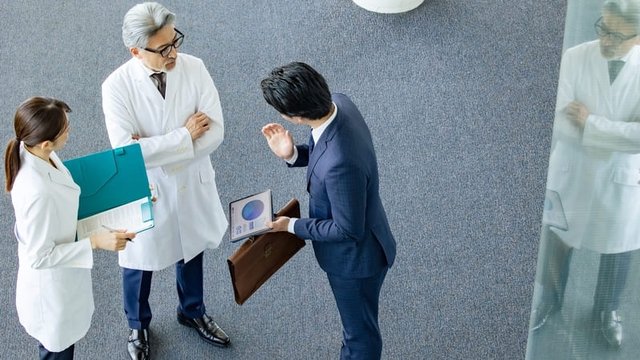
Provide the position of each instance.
(129, 356)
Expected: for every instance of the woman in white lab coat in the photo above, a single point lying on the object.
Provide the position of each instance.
(53, 293)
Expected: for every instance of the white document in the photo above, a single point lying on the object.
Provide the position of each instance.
(134, 217)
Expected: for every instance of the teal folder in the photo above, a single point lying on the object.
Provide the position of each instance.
(111, 179)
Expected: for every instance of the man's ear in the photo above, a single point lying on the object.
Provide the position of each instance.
(135, 52)
(297, 120)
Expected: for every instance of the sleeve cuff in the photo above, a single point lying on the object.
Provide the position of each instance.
(291, 227)
(293, 158)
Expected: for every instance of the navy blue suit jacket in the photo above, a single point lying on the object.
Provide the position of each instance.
(347, 223)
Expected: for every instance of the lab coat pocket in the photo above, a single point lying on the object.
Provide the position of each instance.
(62, 282)
(626, 176)
(207, 175)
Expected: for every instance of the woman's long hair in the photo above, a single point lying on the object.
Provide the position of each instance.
(37, 119)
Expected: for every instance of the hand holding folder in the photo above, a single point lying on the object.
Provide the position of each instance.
(259, 257)
(114, 191)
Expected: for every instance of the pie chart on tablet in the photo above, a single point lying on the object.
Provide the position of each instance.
(252, 210)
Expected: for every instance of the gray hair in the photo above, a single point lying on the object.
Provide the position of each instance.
(142, 22)
(628, 10)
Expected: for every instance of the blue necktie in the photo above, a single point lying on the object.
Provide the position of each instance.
(311, 143)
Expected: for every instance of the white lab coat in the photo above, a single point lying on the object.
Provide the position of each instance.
(53, 294)
(188, 214)
(597, 172)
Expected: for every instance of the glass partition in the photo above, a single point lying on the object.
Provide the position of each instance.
(586, 299)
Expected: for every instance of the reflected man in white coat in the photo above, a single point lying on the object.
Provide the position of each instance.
(167, 102)
(595, 165)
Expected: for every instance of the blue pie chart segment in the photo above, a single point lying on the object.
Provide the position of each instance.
(252, 210)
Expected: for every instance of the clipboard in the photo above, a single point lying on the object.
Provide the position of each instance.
(553, 213)
(258, 258)
(114, 191)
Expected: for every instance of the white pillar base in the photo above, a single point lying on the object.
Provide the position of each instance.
(388, 6)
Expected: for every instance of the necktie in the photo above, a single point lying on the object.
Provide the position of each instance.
(159, 79)
(614, 69)
(311, 143)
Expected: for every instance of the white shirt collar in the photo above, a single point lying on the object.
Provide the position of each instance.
(628, 55)
(317, 132)
(149, 71)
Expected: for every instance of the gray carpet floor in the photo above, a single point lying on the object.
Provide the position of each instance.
(459, 96)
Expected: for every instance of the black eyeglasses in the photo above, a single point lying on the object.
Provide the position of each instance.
(166, 50)
(615, 37)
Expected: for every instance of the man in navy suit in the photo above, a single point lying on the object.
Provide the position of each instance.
(347, 223)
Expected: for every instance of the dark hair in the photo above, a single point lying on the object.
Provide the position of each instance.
(296, 89)
(37, 119)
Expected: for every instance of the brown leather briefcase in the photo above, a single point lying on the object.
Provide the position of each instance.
(259, 257)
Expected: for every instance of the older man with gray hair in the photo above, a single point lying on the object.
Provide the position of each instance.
(594, 167)
(167, 103)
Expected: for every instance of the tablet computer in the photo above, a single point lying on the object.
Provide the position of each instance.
(248, 216)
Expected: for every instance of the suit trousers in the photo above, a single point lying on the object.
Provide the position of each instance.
(66, 354)
(357, 301)
(136, 286)
(554, 274)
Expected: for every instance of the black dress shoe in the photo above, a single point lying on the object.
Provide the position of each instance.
(611, 327)
(207, 329)
(138, 344)
(541, 314)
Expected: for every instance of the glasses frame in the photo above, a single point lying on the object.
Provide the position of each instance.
(166, 50)
(616, 37)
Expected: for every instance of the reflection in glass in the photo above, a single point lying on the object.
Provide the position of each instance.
(603, 31)
(586, 302)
